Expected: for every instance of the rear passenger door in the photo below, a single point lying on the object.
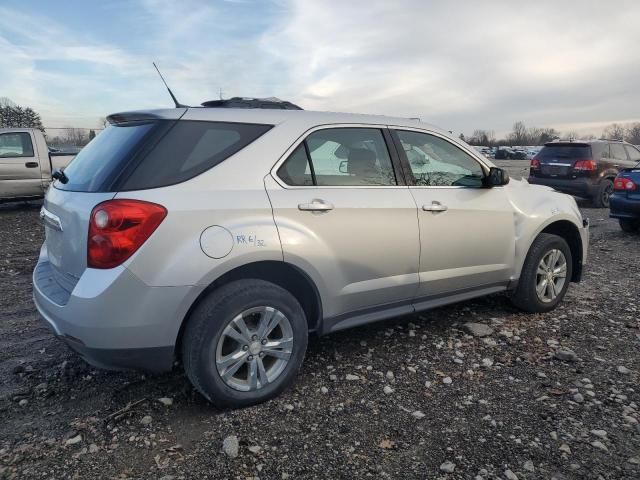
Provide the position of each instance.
(467, 231)
(19, 167)
(346, 217)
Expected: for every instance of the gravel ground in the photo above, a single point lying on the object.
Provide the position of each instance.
(540, 396)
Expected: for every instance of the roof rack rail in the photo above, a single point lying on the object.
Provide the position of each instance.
(612, 139)
(271, 103)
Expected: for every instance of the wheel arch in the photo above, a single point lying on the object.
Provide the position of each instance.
(570, 233)
(283, 274)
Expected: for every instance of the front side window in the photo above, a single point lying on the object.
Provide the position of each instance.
(16, 144)
(436, 162)
(634, 153)
(340, 157)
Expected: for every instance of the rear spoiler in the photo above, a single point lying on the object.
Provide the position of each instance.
(145, 116)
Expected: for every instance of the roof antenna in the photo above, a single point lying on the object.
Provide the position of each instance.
(173, 97)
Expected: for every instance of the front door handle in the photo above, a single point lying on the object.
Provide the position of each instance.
(435, 207)
(31, 164)
(316, 205)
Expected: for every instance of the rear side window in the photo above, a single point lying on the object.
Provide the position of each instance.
(16, 144)
(189, 149)
(340, 157)
(634, 153)
(565, 152)
(156, 153)
(600, 151)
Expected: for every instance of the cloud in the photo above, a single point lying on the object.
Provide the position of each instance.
(464, 66)
(460, 65)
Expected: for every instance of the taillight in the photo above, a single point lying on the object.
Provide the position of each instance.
(585, 165)
(624, 184)
(117, 229)
(535, 164)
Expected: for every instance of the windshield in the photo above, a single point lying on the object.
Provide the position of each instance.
(103, 157)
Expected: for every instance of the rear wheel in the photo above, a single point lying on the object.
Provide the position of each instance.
(629, 226)
(244, 343)
(545, 275)
(601, 198)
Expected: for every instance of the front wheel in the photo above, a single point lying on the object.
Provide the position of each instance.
(244, 343)
(545, 275)
(629, 226)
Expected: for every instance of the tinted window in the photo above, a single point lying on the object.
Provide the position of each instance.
(296, 171)
(564, 152)
(340, 157)
(633, 152)
(16, 145)
(189, 149)
(104, 156)
(600, 151)
(436, 162)
(156, 153)
(618, 152)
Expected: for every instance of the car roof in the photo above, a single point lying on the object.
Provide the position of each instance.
(269, 117)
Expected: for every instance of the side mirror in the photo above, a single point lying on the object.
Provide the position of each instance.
(496, 178)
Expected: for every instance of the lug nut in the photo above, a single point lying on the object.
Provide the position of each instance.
(254, 338)
(261, 354)
(264, 341)
(245, 348)
(250, 357)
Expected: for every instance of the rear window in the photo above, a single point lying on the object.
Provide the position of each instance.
(93, 169)
(564, 152)
(155, 154)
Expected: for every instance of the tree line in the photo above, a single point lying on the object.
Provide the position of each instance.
(523, 135)
(15, 116)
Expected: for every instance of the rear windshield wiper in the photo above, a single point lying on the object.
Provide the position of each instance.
(60, 176)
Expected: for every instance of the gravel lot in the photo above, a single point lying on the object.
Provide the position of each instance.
(541, 396)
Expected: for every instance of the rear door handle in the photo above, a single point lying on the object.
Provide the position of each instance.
(31, 164)
(316, 205)
(435, 207)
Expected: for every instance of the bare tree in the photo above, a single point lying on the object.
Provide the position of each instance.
(519, 134)
(633, 134)
(615, 131)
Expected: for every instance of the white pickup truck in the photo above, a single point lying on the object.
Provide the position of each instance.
(26, 164)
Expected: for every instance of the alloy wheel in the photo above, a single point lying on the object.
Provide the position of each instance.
(254, 348)
(551, 275)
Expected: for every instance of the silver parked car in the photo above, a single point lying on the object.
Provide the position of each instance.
(225, 236)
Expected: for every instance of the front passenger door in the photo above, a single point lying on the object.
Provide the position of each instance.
(467, 231)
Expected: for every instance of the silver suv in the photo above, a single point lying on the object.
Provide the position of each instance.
(225, 236)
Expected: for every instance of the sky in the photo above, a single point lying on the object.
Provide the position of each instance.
(461, 65)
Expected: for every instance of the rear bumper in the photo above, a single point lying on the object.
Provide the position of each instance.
(114, 320)
(624, 207)
(580, 187)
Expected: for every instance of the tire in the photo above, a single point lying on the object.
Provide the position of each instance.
(526, 296)
(206, 337)
(629, 226)
(601, 199)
